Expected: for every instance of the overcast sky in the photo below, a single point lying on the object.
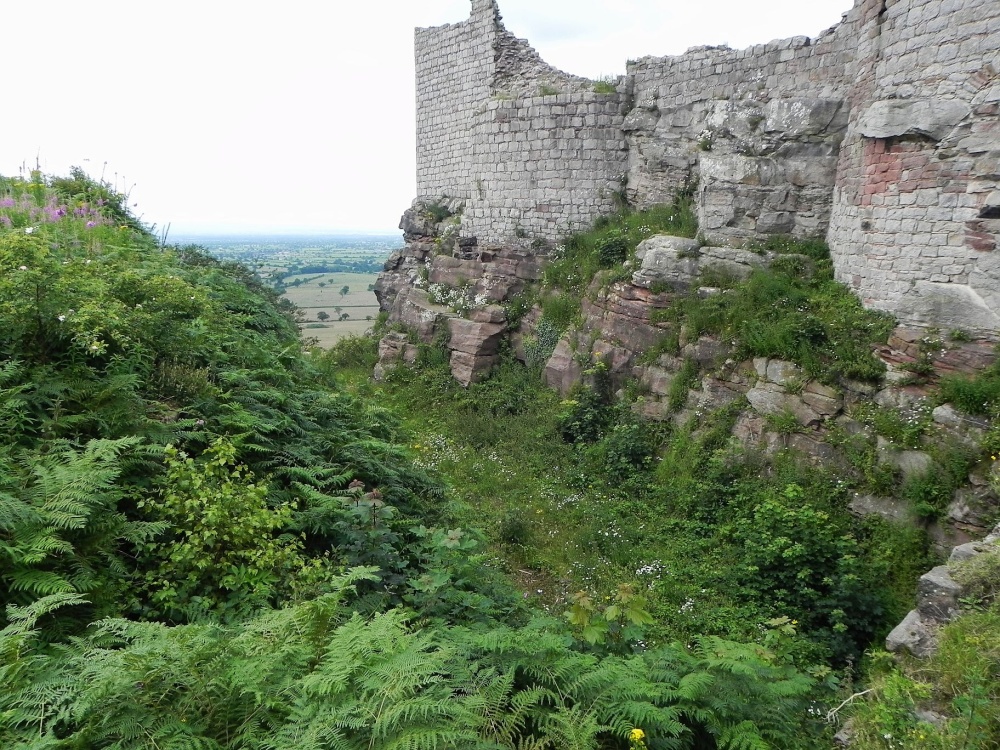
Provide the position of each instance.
(293, 116)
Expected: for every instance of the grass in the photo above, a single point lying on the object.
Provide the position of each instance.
(633, 503)
(684, 381)
(960, 683)
(320, 293)
(718, 538)
(309, 295)
(979, 396)
(793, 311)
(613, 240)
(603, 499)
(905, 429)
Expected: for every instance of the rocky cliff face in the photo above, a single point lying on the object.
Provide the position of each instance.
(882, 135)
(939, 601)
(443, 289)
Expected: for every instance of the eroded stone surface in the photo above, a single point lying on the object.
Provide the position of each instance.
(881, 134)
(938, 594)
(933, 118)
(914, 635)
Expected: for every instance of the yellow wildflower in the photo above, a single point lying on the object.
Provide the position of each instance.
(636, 735)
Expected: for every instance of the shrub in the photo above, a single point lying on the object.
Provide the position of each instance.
(904, 428)
(930, 493)
(539, 348)
(221, 551)
(588, 411)
(810, 320)
(809, 568)
(352, 351)
(580, 256)
(626, 450)
(514, 528)
(683, 381)
(612, 249)
(437, 211)
(979, 395)
(560, 309)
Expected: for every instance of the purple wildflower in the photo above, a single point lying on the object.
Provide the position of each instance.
(91, 224)
(7, 203)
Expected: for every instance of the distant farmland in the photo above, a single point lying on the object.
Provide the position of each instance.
(312, 273)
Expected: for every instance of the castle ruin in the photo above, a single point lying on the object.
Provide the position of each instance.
(882, 134)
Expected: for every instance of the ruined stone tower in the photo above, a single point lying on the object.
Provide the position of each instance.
(882, 134)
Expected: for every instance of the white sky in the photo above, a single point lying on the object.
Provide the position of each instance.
(292, 116)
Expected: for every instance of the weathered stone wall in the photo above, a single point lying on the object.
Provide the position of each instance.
(454, 67)
(758, 129)
(547, 165)
(882, 134)
(535, 152)
(914, 226)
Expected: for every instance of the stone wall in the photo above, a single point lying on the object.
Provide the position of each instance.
(547, 165)
(914, 225)
(883, 134)
(535, 152)
(757, 129)
(454, 67)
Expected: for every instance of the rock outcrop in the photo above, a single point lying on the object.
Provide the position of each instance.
(938, 602)
(446, 289)
(449, 290)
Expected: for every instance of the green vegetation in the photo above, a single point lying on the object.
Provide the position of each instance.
(207, 542)
(793, 311)
(613, 240)
(579, 495)
(951, 700)
(979, 396)
(212, 537)
(711, 539)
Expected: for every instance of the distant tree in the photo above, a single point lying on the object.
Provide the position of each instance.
(344, 290)
(322, 315)
(371, 287)
(337, 310)
(345, 316)
(322, 284)
(368, 317)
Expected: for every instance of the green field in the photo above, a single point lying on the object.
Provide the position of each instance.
(328, 265)
(318, 293)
